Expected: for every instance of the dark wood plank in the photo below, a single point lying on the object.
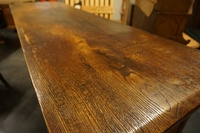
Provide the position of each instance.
(94, 75)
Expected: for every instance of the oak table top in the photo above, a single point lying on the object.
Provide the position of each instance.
(95, 75)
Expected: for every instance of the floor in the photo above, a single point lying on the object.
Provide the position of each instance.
(19, 108)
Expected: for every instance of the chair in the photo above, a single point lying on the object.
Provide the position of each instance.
(4, 81)
(103, 8)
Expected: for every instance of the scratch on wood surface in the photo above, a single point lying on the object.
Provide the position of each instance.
(27, 39)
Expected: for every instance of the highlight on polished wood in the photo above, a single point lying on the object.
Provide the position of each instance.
(94, 75)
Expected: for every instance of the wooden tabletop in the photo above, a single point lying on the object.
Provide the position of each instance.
(94, 75)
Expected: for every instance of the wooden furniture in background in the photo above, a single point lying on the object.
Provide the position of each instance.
(127, 12)
(168, 19)
(93, 75)
(103, 8)
(4, 6)
(46, 0)
(7, 15)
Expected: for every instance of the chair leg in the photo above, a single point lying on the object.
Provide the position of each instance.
(4, 81)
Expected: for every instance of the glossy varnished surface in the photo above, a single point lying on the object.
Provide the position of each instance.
(95, 75)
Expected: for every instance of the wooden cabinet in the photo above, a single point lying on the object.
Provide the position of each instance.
(168, 19)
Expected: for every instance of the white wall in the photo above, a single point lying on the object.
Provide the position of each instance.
(117, 10)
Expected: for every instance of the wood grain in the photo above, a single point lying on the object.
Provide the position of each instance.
(94, 75)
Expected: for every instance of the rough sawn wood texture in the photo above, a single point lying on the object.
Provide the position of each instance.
(94, 75)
